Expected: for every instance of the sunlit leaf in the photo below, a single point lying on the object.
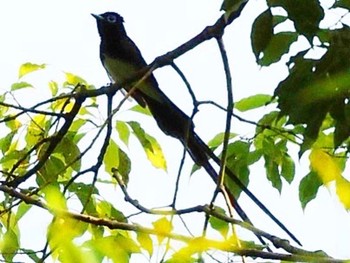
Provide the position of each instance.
(74, 80)
(111, 158)
(53, 86)
(253, 102)
(145, 242)
(21, 85)
(28, 68)
(5, 142)
(150, 145)
(123, 132)
(218, 139)
(324, 165)
(343, 191)
(142, 110)
(54, 197)
(9, 245)
(163, 227)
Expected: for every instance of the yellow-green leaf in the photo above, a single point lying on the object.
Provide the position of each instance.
(163, 227)
(111, 158)
(145, 242)
(123, 131)
(343, 191)
(21, 85)
(325, 166)
(150, 145)
(28, 68)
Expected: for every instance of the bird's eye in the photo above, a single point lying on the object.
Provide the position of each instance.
(111, 18)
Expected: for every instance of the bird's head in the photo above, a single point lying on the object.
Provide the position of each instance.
(109, 22)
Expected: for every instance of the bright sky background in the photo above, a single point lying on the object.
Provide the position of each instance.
(63, 35)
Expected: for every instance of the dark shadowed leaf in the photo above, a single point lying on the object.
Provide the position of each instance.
(262, 32)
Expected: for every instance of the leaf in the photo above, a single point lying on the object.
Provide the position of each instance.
(9, 245)
(218, 139)
(21, 85)
(324, 165)
(73, 80)
(142, 110)
(308, 188)
(145, 242)
(272, 173)
(123, 132)
(111, 157)
(124, 166)
(70, 152)
(220, 225)
(53, 86)
(288, 168)
(28, 68)
(298, 10)
(343, 191)
(262, 32)
(163, 227)
(150, 145)
(5, 142)
(54, 198)
(278, 46)
(342, 4)
(253, 102)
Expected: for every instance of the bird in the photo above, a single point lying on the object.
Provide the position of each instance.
(121, 58)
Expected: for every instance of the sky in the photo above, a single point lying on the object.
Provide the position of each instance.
(63, 35)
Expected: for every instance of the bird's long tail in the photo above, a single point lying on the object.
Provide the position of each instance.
(172, 121)
(201, 153)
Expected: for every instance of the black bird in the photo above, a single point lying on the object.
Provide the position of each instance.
(121, 58)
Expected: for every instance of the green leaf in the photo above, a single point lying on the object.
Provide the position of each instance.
(85, 194)
(253, 102)
(10, 245)
(342, 4)
(278, 46)
(5, 142)
(150, 145)
(272, 173)
(262, 32)
(218, 139)
(111, 157)
(308, 188)
(123, 132)
(21, 85)
(53, 86)
(124, 166)
(50, 171)
(142, 110)
(220, 225)
(288, 168)
(70, 152)
(28, 68)
(298, 10)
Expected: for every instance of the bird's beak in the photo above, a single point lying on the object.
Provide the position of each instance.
(98, 17)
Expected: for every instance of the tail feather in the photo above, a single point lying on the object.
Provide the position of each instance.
(173, 122)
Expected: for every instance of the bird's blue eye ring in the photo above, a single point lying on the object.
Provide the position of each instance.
(111, 18)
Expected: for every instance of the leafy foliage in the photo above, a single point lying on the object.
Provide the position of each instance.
(58, 155)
